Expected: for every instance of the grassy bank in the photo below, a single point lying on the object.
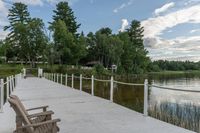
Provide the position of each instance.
(9, 69)
(176, 72)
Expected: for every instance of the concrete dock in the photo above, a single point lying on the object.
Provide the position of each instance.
(80, 112)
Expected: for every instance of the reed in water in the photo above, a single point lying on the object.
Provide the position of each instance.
(186, 115)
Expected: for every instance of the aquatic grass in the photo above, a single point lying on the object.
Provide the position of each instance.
(186, 115)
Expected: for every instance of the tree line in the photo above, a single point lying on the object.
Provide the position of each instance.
(29, 41)
(163, 65)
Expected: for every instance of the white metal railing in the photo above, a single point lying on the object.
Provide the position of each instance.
(58, 78)
(8, 86)
(112, 81)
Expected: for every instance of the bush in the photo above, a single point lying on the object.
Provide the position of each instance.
(99, 68)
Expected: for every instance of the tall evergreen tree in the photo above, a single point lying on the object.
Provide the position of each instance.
(140, 60)
(79, 49)
(63, 42)
(37, 40)
(64, 12)
(26, 36)
(18, 17)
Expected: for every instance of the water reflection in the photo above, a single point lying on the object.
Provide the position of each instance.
(176, 107)
(179, 108)
(157, 94)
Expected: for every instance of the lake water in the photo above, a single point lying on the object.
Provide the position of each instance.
(179, 108)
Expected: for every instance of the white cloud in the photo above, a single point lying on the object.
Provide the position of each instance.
(124, 25)
(164, 8)
(3, 19)
(194, 31)
(155, 26)
(30, 2)
(181, 48)
(3, 8)
(122, 6)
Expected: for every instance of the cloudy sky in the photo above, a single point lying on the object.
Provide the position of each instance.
(172, 27)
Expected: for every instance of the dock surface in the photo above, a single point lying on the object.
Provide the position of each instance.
(80, 112)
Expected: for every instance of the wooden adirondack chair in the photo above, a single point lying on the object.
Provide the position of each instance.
(28, 127)
(34, 118)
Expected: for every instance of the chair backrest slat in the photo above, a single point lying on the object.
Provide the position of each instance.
(19, 102)
(19, 112)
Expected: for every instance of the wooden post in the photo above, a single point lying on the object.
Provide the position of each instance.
(146, 97)
(92, 87)
(81, 82)
(7, 88)
(61, 78)
(2, 95)
(111, 89)
(66, 79)
(54, 77)
(73, 81)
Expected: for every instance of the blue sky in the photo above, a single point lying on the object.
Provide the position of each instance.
(172, 27)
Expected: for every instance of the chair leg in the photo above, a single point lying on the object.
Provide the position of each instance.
(54, 128)
(18, 121)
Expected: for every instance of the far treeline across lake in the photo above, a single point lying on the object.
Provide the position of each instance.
(29, 41)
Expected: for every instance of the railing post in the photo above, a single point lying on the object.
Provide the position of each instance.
(73, 81)
(10, 84)
(54, 77)
(66, 79)
(111, 89)
(7, 88)
(24, 72)
(2, 95)
(57, 78)
(92, 87)
(81, 82)
(61, 78)
(146, 97)
(15, 80)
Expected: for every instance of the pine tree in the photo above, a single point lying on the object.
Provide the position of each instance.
(63, 42)
(18, 17)
(138, 53)
(64, 12)
(26, 36)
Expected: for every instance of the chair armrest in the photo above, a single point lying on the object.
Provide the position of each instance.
(39, 124)
(42, 107)
(40, 114)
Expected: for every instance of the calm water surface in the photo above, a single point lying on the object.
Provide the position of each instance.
(179, 108)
